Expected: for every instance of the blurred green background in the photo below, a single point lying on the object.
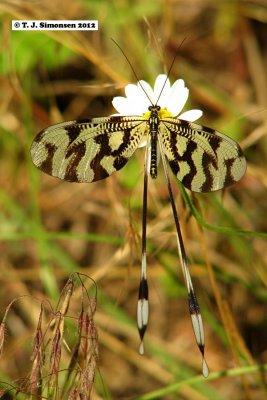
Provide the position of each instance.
(50, 228)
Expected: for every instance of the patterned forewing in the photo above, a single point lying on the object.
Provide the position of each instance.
(203, 160)
(89, 150)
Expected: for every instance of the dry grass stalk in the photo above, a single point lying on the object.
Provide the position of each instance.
(35, 379)
(60, 368)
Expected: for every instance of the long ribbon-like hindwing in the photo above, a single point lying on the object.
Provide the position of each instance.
(143, 305)
(192, 300)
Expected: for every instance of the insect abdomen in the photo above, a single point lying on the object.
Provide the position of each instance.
(153, 127)
(154, 157)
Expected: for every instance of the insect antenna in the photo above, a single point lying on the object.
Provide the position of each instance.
(132, 68)
(143, 305)
(170, 68)
(194, 309)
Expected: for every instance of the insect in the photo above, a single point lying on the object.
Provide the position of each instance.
(201, 158)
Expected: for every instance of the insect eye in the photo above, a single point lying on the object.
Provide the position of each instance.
(158, 108)
(150, 108)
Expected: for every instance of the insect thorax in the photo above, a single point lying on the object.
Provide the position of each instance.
(154, 115)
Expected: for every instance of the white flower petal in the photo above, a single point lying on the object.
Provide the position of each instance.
(137, 98)
(162, 89)
(123, 106)
(149, 91)
(140, 96)
(134, 92)
(191, 115)
(120, 103)
(177, 98)
(131, 90)
(177, 87)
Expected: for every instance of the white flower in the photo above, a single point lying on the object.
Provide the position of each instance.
(171, 100)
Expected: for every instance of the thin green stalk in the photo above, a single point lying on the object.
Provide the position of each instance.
(175, 387)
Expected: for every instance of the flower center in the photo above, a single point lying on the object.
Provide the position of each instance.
(164, 113)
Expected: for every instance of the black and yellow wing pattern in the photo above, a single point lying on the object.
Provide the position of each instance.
(87, 150)
(203, 159)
